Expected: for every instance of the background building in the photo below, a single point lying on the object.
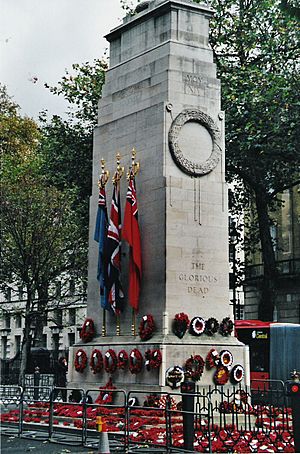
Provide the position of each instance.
(64, 321)
(286, 236)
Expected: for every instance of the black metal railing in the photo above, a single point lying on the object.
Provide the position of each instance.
(225, 419)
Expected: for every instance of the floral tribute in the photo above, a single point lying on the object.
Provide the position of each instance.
(147, 327)
(211, 326)
(106, 396)
(212, 359)
(110, 361)
(226, 358)
(237, 374)
(221, 376)
(135, 361)
(197, 326)
(87, 332)
(195, 366)
(269, 430)
(180, 324)
(80, 360)
(96, 361)
(226, 327)
(153, 359)
(122, 360)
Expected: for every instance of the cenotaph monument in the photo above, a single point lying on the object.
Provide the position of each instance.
(162, 97)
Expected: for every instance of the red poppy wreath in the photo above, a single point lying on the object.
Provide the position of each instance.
(122, 359)
(195, 366)
(110, 361)
(96, 361)
(87, 331)
(147, 327)
(135, 361)
(80, 361)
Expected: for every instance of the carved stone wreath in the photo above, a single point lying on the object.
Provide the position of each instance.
(185, 164)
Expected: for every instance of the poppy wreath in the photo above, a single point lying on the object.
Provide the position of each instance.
(195, 366)
(212, 358)
(122, 359)
(226, 327)
(197, 326)
(221, 375)
(153, 359)
(110, 361)
(147, 327)
(135, 361)
(237, 374)
(87, 331)
(106, 395)
(226, 358)
(211, 326)
(180, 324)
(80, 360)
(96, 361)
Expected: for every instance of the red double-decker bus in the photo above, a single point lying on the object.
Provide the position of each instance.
(274, 348)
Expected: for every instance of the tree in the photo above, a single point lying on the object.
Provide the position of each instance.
(83, 90)
(40, 231)
(256, 47)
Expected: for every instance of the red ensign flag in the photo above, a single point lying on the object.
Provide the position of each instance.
(131, 234)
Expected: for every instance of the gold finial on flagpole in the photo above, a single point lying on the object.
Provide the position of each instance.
(104, 177)
(103, 332)
(135, 166)
(119, 171)
(118, 328)
(133, 325)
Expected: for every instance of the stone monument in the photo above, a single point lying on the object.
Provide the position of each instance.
(162, 97)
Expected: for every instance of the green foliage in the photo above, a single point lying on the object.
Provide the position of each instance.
(66, 148)
(82, 88)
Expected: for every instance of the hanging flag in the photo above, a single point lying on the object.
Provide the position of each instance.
(100, 236)
(113, 253)
(131, 234)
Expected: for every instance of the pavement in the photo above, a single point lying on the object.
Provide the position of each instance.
(16, 445)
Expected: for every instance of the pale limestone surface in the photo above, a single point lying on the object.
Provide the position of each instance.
(161, 64)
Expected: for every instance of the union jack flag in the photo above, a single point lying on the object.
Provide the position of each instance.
(113, 251)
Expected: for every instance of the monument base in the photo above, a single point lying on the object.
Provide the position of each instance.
(174, 352)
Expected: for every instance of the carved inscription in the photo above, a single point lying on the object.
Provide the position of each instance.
(193, 83)
(197, 281)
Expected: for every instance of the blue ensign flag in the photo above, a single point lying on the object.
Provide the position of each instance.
(101, 237)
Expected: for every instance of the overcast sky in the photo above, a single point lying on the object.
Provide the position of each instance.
(40, 38)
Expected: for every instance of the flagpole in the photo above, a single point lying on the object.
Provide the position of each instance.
(116, 181)
(131, 174)
(103, 179)
(133, 326)
(103, 333)
(118, 329)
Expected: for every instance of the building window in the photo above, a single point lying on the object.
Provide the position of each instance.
(55, 341)
(45, 340)
(18, 343)
(72, 316)
(4, 347)
(58, 290)
(8, 294)
(71, 338)
(7, 321)
(20, 293)
(18, 321)
(57, 315)
(71, 287)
